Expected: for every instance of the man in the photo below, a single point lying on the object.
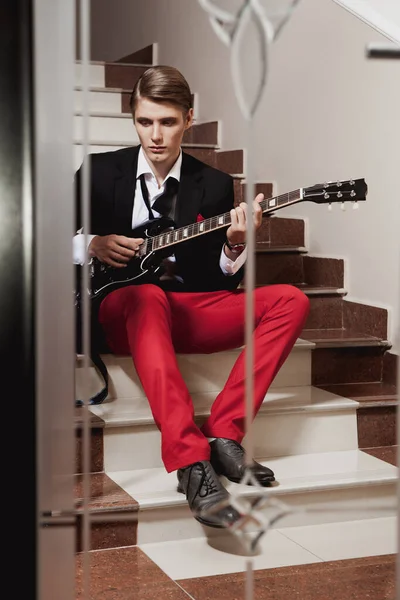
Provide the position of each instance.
(194, 305)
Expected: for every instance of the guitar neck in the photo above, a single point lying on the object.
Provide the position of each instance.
(175, 236)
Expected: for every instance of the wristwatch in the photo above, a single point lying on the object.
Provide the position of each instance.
(236, 248)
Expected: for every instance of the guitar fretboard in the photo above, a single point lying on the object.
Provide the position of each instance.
(175, 236)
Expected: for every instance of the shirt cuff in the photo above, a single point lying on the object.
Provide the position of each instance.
(79, 248)
(230, 267)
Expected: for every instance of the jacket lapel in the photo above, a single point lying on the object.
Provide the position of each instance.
(190, 192)
(124, 191)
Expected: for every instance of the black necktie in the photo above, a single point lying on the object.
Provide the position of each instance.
(165, 204)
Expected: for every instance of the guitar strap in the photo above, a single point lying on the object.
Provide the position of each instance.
(164, 205)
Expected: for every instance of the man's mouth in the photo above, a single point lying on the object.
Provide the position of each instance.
(157, 148)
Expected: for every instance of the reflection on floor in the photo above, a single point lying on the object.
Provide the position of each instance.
(128, 574)
(332, 561)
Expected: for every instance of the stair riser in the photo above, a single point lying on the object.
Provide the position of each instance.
(204, 154)
(325, 313)
(118, 75)
(138, 447)
(107, 130)
(105, 102)
(279, 268)
(353, 503)
(377, 426)
(202, 373)
(346, 365)
(96, 75)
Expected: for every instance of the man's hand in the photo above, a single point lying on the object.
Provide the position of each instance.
(114, 250)
(236, 234)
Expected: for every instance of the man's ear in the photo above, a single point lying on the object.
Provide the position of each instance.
(189, 119)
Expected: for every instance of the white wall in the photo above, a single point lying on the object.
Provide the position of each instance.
(328, 113)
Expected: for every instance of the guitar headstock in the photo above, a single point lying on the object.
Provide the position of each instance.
(351, 190)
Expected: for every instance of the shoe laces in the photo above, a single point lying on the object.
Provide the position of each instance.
(208, 484)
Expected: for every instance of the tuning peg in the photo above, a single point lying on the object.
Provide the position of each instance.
(343, 206)
(355, 205)
(330, 206)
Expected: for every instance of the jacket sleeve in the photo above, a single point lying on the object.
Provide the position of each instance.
(202, 256)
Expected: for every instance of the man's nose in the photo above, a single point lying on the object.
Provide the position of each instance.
(156, 133)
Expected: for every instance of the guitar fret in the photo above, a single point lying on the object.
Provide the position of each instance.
(194, 229)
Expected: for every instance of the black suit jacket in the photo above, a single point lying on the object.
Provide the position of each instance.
(202, 190)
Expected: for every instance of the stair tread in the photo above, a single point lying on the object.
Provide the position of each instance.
(153, 488)
(110, 62)
(376, 392)
(310, 289)
(300, 344)
(105, 494)
(268, 248)
(341, 337)
(124, 412)
(120, 144)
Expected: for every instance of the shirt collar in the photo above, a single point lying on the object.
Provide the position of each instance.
(143, 167)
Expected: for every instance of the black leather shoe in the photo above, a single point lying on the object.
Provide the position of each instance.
(204, 491)
(228, 459)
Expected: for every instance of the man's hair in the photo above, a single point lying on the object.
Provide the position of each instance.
(162, 84)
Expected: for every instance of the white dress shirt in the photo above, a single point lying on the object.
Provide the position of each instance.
(140, 214)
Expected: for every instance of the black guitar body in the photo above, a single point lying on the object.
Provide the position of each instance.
(143, 268)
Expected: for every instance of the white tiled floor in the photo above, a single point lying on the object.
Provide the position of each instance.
(338, 541)
(278, 548)
(201, 557)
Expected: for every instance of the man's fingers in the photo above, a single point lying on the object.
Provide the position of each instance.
(131, 243)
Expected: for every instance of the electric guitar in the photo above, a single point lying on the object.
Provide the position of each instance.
(161, 236)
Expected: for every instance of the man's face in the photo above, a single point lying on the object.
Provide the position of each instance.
(160, 127)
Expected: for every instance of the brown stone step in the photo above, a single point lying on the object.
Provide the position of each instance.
(259, 188)
(278, 231)
(203, 133)
(207, 155)
(126, 97)
(279, 265)
(323, 271)
(113, 513)
(343, 338)
(230, 161)
(375, 393)
(122, 75)
(342, 359)
(144, 56)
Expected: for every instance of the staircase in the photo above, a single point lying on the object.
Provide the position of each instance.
(331, 405)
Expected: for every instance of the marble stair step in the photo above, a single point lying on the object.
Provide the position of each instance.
(108, 99)
(292, 420)
(110, 127)
(336, 486)
(110, 74)
(376, 413)
(373, 394)
(203, 373)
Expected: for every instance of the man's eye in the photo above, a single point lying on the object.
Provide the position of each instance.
(169, 123)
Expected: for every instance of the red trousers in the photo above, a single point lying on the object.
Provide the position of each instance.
(152, 326)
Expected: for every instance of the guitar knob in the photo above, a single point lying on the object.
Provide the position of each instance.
(326, 196)
(330, 206)
(343, 206)
(355, 205)
(339, 194)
